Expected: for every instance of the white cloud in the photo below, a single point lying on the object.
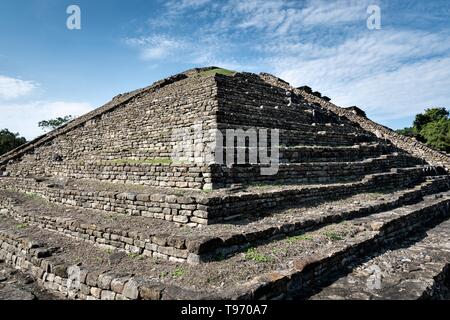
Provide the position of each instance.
(62, 108)
(218, 38)
(391, 75)
(284, 17)
(156, 47)
(256, 14)
(183, 4)
(362, 56)
(24, 117)
(206, 50)
(333, 12)
(12, 88)
(401, 93)
(23, 114)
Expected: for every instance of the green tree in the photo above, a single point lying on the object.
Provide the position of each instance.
(431, 127)
(9, 141)
(437, 134)
(54, 123)
(430, 115)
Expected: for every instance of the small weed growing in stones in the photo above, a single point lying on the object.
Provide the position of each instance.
(163, 274)
(178, 272)
(254, 255)
(32, 195)
(21, 226)
(134, 255)
(217, 71)
(333, 236)
(302, 237)
(278, 250)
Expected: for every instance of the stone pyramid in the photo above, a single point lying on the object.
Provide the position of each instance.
(147, 197)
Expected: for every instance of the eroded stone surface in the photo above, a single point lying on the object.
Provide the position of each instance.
(14, 285)
(415, 268)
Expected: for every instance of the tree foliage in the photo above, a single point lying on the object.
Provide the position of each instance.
(431, 127)
(437, 134)
(430, 115)
(9, 141)
(54, 123)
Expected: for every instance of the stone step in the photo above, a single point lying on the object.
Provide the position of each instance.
(357, 152)
(324, 137)
(286, 223)
(266, 198)
(280, 269)
(289, 154)
(312, 172)
(418, 267)
(310, 134)
(162, 239)
(297, 170)
(141, 172)
(320, 153)
(296, 120)
(369, 148)
(313, 266)
(193, 208)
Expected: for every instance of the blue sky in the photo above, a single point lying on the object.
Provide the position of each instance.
(47, 70)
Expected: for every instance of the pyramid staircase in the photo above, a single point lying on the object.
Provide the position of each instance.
(354, 211)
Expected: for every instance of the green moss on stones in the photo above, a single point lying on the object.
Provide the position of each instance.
(212, 72)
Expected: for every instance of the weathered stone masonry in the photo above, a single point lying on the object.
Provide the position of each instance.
(140, 130)
(345, 188)
(131, 141)
(409, 144)
(37, 260)
(205, 209)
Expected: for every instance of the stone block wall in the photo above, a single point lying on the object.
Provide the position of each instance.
(165, 247)
(193, 250)
(250, 203)
(408, 144)
(37, 260)
(132, 140)
(246, 101)
(194, 176)
(329, 154)
(177, 208)
(205, 208)
(307, 173)
(139, 130)
(411, 145)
